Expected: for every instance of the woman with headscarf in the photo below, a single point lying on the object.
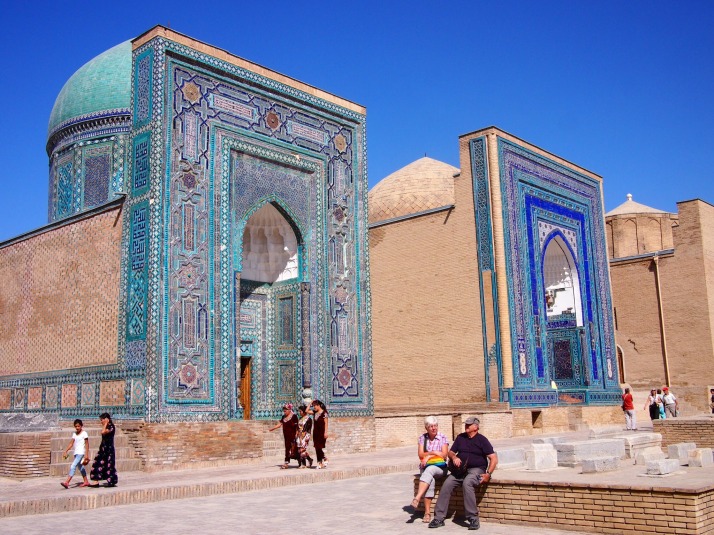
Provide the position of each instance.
(104, 466)
(289, 423)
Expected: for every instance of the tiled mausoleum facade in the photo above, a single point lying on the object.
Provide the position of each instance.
(215, 213)
(505, 265)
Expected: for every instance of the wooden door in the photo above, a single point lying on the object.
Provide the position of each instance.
(245, 390)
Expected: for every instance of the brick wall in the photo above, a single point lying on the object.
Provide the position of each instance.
(699, 430)
(176, 445)
(59, 295)
(25, 455)
(593, 508)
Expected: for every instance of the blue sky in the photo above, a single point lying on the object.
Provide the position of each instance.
(624, 89)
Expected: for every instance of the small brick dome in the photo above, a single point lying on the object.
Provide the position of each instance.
(422, 185)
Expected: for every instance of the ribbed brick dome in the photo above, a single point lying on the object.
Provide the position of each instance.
(421, 185)
(100, 86)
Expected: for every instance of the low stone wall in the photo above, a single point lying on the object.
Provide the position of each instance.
(25, 455)
(697, 429)
(163, 446)
(593, 508)
(395, 428)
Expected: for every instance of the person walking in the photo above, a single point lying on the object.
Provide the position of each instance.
(104, 466)
(289, 423)
(628, 406)
(319, 433)
(80, 443)
(651, 405)
(670, 402)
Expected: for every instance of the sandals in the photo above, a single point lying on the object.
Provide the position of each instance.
(427, 517)
(284, 466)
(415, 503)
(65, 485)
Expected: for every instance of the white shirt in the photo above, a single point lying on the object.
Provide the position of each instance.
(669, 399)
(79, 442)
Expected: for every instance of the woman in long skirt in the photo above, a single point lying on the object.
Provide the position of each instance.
(104, 466)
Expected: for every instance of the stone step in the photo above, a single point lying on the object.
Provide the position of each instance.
(123, 465)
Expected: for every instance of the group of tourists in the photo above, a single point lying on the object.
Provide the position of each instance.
(469, 463)
(104, 466)
(660, 402)
(312, 423)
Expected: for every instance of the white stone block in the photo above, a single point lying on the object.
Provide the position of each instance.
(512, 458)
(600, 464)
(662, 466)
(649, 454)
(701, 457)
(681, 451)
(541, 457)
(573, 453)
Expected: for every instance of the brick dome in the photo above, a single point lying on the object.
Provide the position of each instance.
(422, 185)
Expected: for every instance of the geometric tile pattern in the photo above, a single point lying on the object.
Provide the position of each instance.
(34, 398)
(542, 198)
(112, 393)
(226, 122)
(5, 399)
(138, 387)
(51, 395)
(89, 391)
(69, 395)
(18, 399)
(75, 303)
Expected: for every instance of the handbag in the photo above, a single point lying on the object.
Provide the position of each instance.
(459, 472)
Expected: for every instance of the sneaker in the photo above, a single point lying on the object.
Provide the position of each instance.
(474, 524)
(436, 523)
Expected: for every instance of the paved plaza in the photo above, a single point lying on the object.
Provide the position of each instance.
(352, 506)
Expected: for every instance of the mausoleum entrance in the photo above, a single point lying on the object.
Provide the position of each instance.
(268, 348)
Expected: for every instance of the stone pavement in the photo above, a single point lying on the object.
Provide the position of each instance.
(358, 493)
(368, 505)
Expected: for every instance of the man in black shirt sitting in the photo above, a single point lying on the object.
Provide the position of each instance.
(473, 454)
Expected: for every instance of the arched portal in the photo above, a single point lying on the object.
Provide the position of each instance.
(562, 301)
(268, 324)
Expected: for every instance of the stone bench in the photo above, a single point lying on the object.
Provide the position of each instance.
(572, 453)
(600, 464)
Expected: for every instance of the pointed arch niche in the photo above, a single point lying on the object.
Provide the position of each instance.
(270, 247)
(560, 280)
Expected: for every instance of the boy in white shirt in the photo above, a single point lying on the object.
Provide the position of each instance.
(80, 441)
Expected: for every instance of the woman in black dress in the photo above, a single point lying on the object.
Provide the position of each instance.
(320, 431)
(289, 423)
(104, 466)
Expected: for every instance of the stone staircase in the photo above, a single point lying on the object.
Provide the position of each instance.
(25, 455)
(126, 458)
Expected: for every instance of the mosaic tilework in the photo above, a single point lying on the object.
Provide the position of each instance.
(5, 399)
(18, 399)
(138, 389)
(51, 397)
(69, 395)
(191, 232)
(111, 393)
(60, 309)
(89, 391)
(97, 170)
(34, 398)
(541, 197)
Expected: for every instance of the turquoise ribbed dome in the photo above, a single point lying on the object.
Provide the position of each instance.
(103, 84)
